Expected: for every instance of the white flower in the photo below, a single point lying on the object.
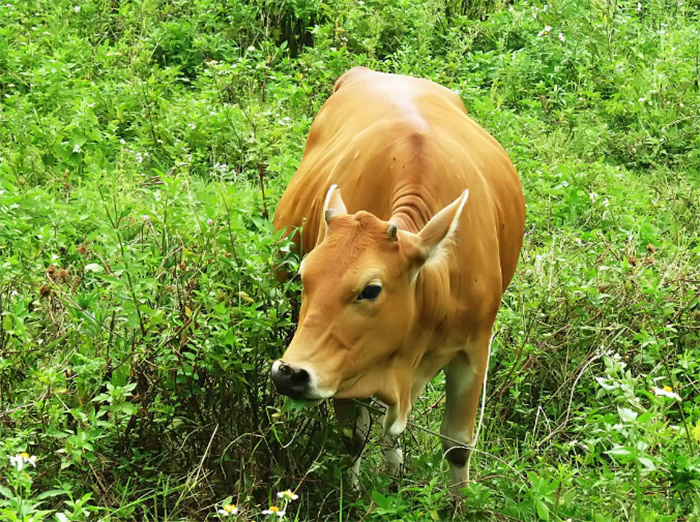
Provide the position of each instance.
(288, 495)
(639, 7)
(251, 48)
(606, 203)
(360, 2)
(19, 461)
(666, 391)
(274, 510)
(76, 9)
(228, 510)
(76, 148)
(593, 196)
(562, 37)
(284, 121)
(546, 30)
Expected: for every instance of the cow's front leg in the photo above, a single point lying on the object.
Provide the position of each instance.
(392, 454)
(355, 421)
(465, 378)
(394, 422)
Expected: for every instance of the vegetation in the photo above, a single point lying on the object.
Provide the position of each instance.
(143, 145)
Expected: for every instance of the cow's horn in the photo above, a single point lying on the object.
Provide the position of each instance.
(392, 231)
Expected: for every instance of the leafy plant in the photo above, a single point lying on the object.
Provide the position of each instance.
(143, 146)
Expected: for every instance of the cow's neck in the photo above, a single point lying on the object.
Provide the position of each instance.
(412, 206)
(410, 210)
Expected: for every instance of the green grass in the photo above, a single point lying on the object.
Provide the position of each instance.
(139, 307)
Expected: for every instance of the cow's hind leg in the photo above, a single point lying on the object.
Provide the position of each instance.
(354, 418)
(465, 377)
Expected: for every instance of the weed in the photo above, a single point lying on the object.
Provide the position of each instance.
(143, 146)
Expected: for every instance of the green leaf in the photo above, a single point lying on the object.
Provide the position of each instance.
(94, 267)
(381, 500)
(627, 415)
(619, 451)
(647, 463)
(542, 509)
(6, 492)
(51, 493)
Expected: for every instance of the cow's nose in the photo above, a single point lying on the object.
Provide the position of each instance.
(290, 381)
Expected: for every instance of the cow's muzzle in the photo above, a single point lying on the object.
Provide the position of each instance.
(290, 381)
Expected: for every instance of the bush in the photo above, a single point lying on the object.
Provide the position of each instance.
(143, 146)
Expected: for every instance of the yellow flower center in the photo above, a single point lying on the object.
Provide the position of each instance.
(24, 455)
(668, 389)
(274, 509)
(230, 508)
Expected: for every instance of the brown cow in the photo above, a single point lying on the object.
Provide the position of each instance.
(404, 275)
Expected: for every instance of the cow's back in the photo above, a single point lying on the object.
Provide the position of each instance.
(389, 141)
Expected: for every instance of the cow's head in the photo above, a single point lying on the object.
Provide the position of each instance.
(358, 301)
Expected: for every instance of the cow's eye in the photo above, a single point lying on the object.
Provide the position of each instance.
(370, 292)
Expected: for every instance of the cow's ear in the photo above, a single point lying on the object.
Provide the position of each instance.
(439, 231)
(333, 206)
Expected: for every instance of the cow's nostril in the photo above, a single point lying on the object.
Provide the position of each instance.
(300, 378)
(290, 381)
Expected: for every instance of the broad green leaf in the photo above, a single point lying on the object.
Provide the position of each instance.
(647, 463)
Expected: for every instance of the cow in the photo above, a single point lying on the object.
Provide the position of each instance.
(413, 220)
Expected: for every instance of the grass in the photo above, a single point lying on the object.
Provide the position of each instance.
(143, 146)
